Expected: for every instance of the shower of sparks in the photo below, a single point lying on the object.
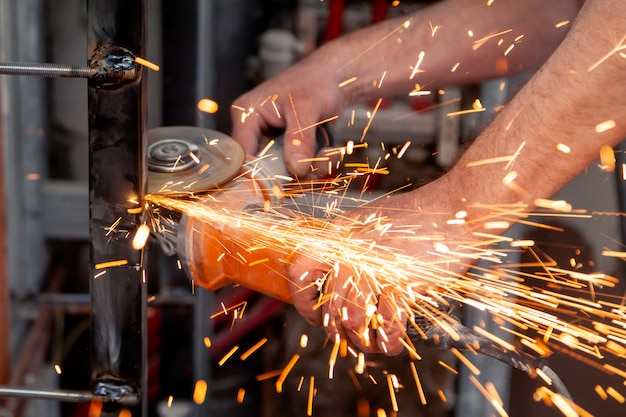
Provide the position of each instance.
(508, 295)
(571, 315)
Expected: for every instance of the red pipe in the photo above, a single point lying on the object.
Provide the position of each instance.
(334, 25)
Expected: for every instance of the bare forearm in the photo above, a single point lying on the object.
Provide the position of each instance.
(570, 101)
(453, 42)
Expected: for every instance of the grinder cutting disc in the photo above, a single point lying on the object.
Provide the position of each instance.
(190, 160)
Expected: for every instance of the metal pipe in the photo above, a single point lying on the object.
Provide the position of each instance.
(117, 183)
(59, 395)
(38, 69)
(103, 69)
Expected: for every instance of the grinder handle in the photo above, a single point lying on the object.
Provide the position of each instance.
(213, 259)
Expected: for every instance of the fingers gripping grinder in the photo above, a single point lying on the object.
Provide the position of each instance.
(205, 168)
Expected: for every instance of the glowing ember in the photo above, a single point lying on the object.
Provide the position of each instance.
(111, 264)
(141, 237)
(253, 349)
(241, 395)
(208, 106)
(147, 64)
(199, 391)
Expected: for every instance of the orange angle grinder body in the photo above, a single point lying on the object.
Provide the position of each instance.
(208, 168)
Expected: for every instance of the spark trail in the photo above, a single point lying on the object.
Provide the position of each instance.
(570, 311)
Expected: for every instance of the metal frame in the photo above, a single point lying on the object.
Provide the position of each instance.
(117, 184)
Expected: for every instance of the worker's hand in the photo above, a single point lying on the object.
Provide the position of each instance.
(295, 100)
(369, 303)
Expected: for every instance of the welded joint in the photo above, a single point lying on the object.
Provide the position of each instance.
(114, 66)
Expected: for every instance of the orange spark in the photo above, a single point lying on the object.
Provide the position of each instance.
(111, 264)
(619, 47)
(604, 126)
(230, 353)
(285, 372)
(416, 68)
(478, 43)
(208, 106)
(607, 158)
(141, 236)
(240, 395)
(253, 349)
(309, 407)
(199, 391)
(147, 64)
(346, 82)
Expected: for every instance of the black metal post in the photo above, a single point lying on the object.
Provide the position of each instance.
(117, 183)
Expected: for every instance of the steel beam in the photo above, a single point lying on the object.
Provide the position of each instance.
(117, 183)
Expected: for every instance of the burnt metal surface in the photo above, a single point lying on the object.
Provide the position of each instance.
(117, 183)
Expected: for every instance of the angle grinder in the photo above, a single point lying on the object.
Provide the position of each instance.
(210, 168)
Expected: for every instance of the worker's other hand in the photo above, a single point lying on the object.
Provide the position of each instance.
(296, 100)
(364, 303)
(348, 304)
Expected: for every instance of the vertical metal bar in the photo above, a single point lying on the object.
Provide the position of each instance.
(117, 183)
(205, 61)
(205, 300)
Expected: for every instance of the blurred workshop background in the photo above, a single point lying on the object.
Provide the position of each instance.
(218, 49)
